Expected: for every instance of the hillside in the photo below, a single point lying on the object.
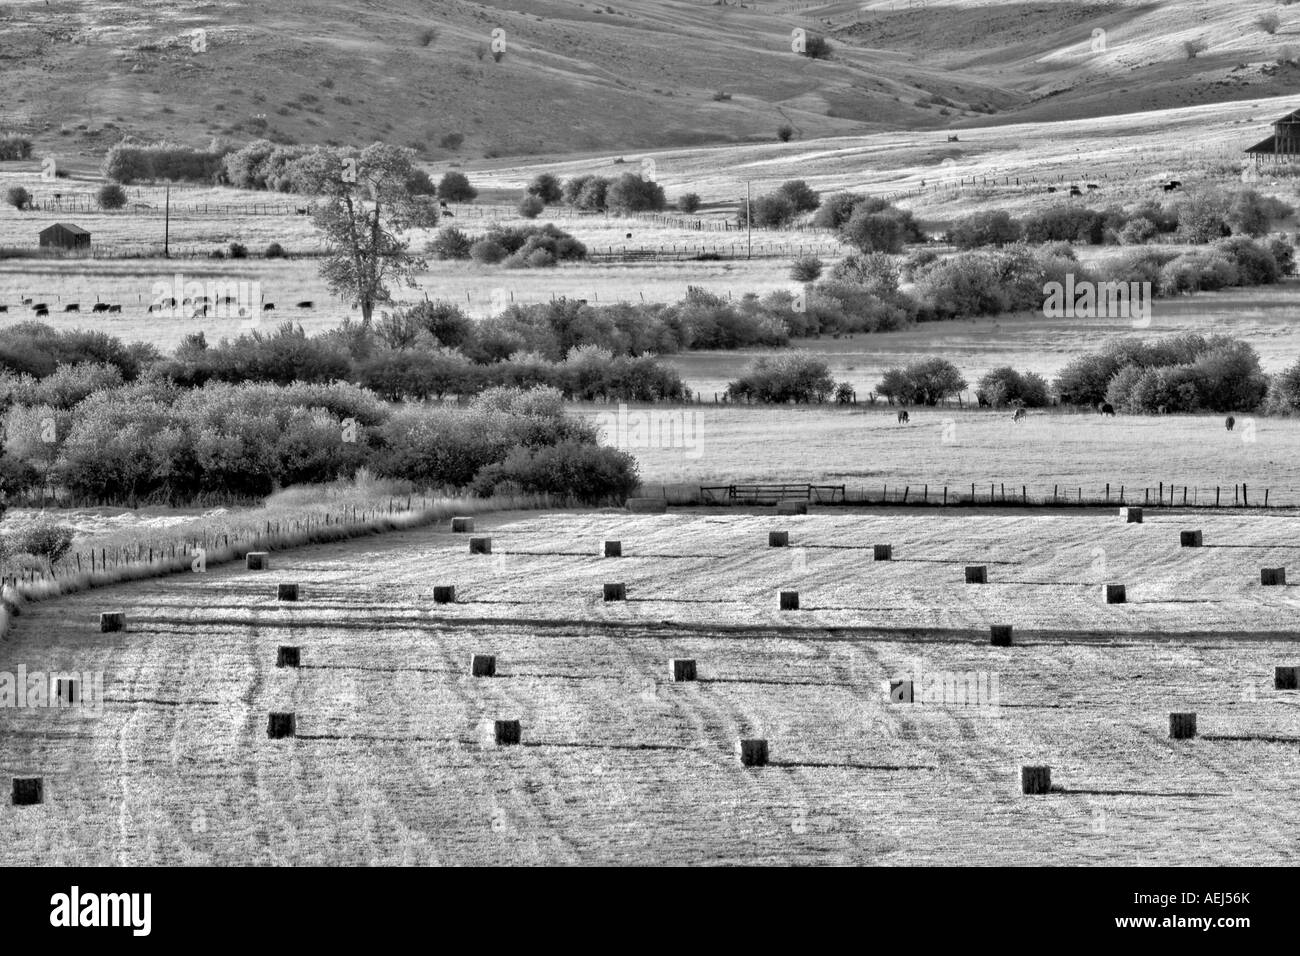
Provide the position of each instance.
(577, 76)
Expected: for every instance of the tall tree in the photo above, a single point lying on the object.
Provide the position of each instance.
(367, 204)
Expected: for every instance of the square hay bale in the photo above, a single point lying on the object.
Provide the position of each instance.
(977, 574)
(28, 791)
(287, 656)
(1272, 577)
(508, 732)
(778, 539)
(753, 752)
(1286, 678)
(444, 594)
(280, 726)
(900, 692)
(647, 506)
(257, 560)
(1182, 726)
(112, 621)
(792, 507)
(789, 600)
(1035, 779)
(1116, 594)
(1131, 515)
(462, 525)
(1000, 635)
(483, 665)
(615, 592)
(66, 691)
(286, 592)
(682, 669)
(613, 549)
(480, 545)
(1189, 539)
(882, 552)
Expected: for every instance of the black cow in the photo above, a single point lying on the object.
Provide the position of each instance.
(100, 307)
(903, 417)
(42, 312)
(1076, 191)
(1020, 414)
(114, 308)
(4, 308)
(1108, 409)
(40, 305)
(1093, 186)
(72, 307)
(306, 305)
(1051, 189)
(269, 307)
(1229, 422)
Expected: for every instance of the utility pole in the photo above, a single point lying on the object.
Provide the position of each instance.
(749, 225)
(167, 225)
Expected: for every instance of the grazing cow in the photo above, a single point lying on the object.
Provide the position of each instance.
(1171, 185)
(4, 308)
(1108, 409)
(1229, 422)
(72, 307)
(42, 312)
(1051, 189)
(40, 305)
(306, 305)
(100, 307)
(167, 303)
(269, 307)
(200, 312)
(27, 301)
(1020, 415)
(903, 417)
(114, 308)
(1076, 191)
(183, 302)
(300, 211)
(1093, 186)
(629, 235)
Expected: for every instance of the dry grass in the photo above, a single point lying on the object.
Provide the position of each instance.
(395, 762)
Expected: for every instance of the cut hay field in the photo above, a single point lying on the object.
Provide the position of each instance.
(394, 763)
(864, 447)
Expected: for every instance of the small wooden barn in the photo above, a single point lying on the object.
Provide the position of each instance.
(64, 235)
(1283, 145)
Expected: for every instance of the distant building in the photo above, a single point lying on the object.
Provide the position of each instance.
(64, 235)
(1284, 144)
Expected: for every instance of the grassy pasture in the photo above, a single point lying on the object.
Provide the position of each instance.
(865, 448)
(395, 762)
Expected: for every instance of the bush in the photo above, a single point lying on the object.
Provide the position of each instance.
(1138, 231)
(836, 209)
(1065, 223)
(784, 132)
(793, 377)
(925, 382)
(1251, 214)
(1283, 254)
(238, 250)
(15, 147)
(449, 243)
(274, 251)
(127, 164)
(772, 211)
(1203, 216)
(546, 188)
(487, 252)
(43, 537)
(583, 473)
(1197, 271)
(875, 226)
(817, 47)
(689, 202)
(586, 192)
(631, 193)
(803, 196)
(18, 197)
(806, 269)
(111, 196)
(1284, 391)
(1002, 387)
(455, 187)
(994, 227)
(530, 207)
(1255, 263)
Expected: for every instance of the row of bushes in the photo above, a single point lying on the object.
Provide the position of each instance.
(153, 441)
(518, 247)
(15, 147)
(1204, 215)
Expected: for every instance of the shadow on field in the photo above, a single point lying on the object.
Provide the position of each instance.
(1251, 738)
(774, 683)
(832, 765)
(586, 746)
(365, 667)
(1138, 793)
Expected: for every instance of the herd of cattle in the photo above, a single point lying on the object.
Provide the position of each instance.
(1105, 408)
(201, 307)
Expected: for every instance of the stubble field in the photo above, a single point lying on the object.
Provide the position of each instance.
(394, 762)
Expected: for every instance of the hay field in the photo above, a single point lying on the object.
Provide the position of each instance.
(393, 763)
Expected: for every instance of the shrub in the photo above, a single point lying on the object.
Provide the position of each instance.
(455, 187)
(18, 197)
(584, 473)
(631, 193)
(238, 250)
(874, 227)
(1283, 254)
(817, 47)
(1065, 223)
(1138, 231)
(1255, 263)
(530, 207)
(803, 196)
(111, 196)
(1002, 387)
(1197, 271)
(546, 187)
(784, 132)
(1203, 216)
(274, 251)
(1284, 391)
(1252, 214)
(43, 537)
(772, 211)
(126, 163)
(793, 377)
(836, 209)
(924, 382)
(586, 192)
(966, 284)
(689, 202)
(993, 227)
(806, 269)
(1268, 22)
(487, 252)
(449, 243)
(15, 147)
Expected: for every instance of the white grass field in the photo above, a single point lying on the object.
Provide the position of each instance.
(394, 762)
